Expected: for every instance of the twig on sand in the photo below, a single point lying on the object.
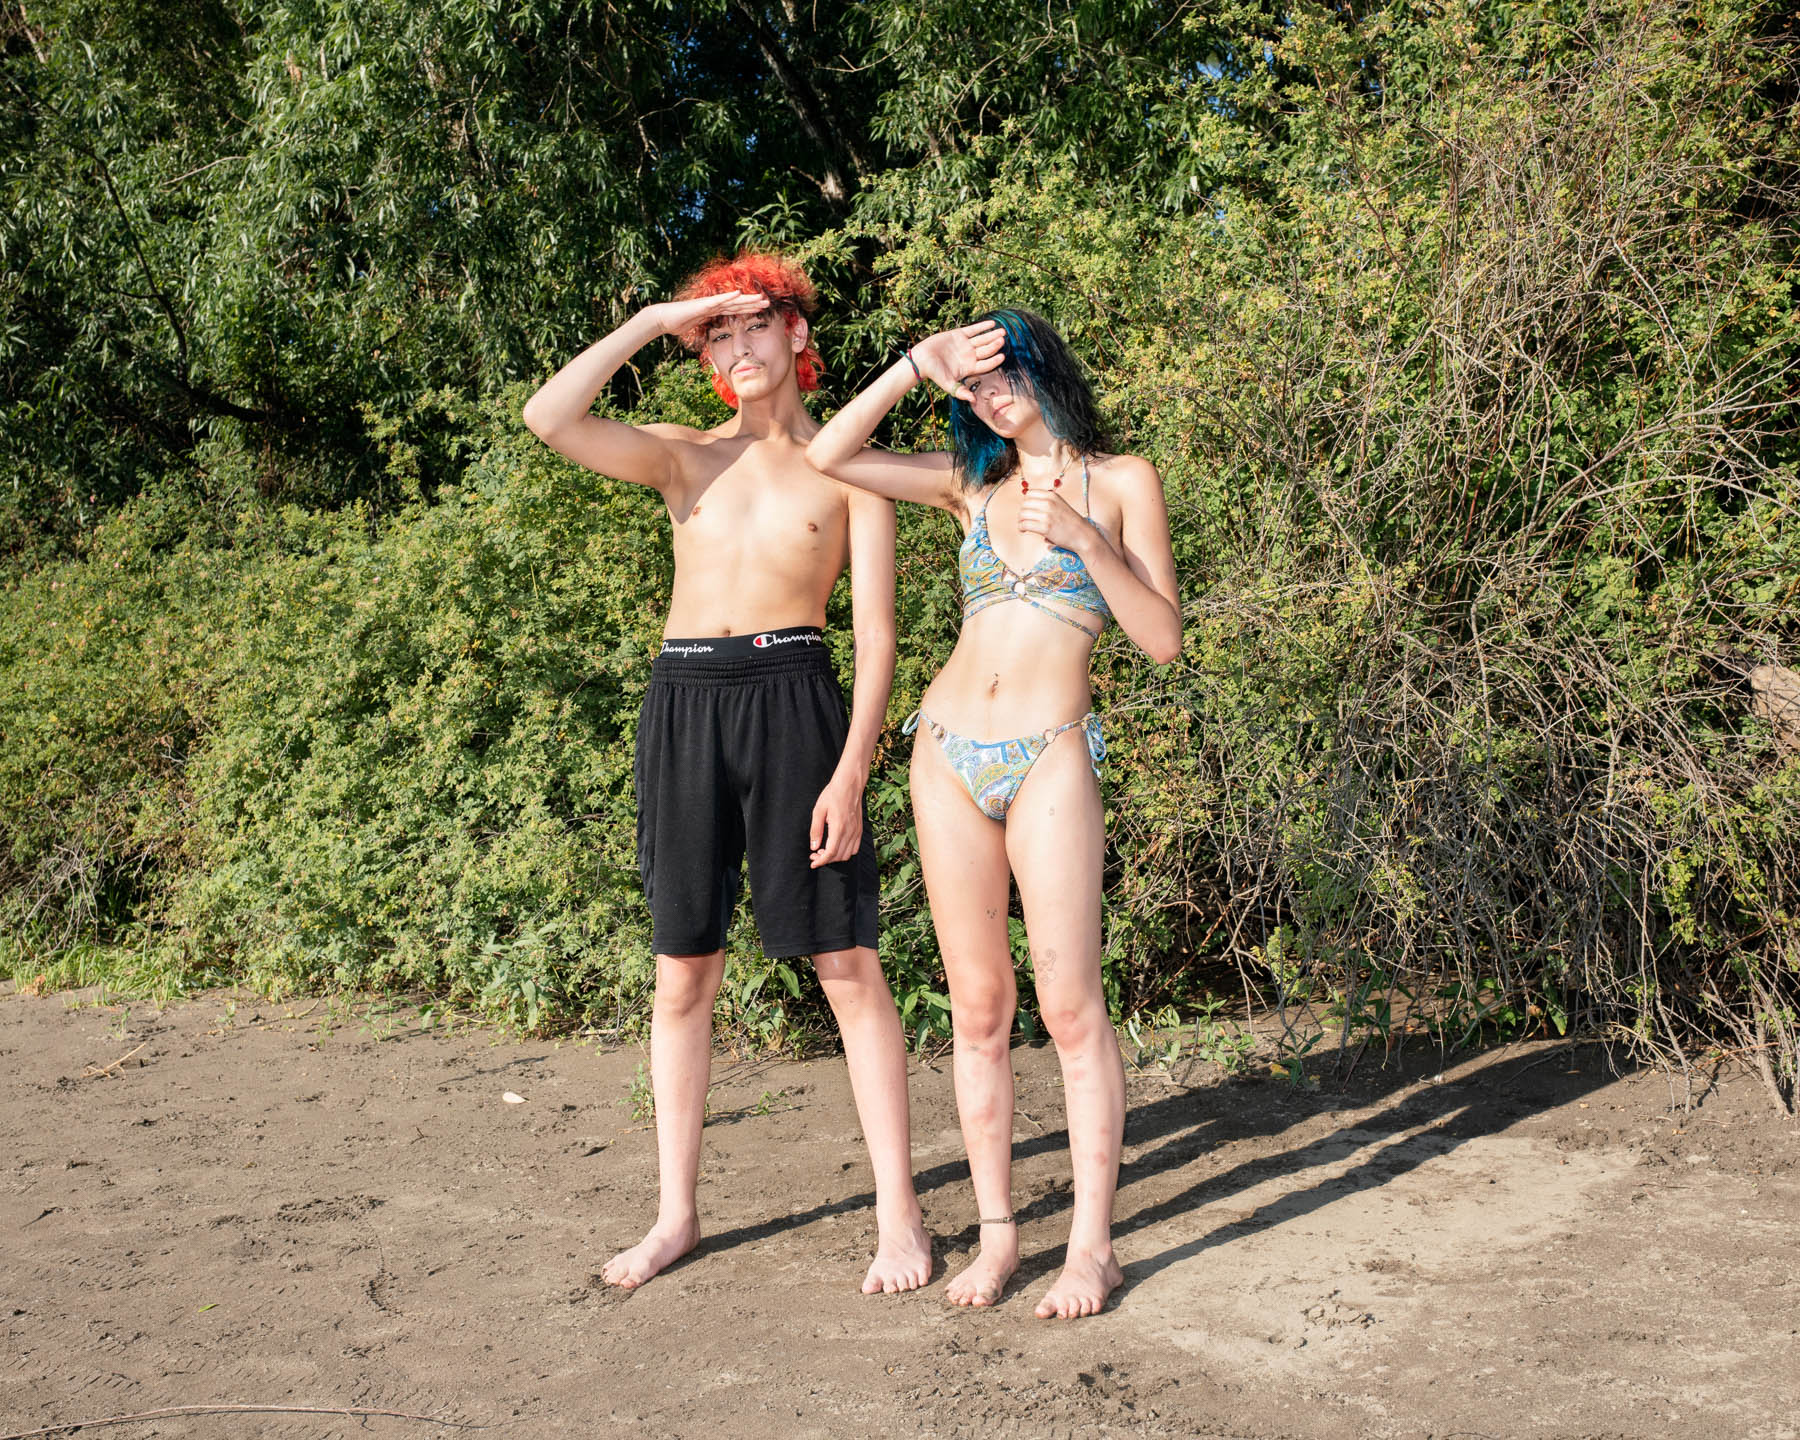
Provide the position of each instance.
(174, 1410)
(94, 1072)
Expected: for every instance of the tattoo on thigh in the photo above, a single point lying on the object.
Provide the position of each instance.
(1047, 965)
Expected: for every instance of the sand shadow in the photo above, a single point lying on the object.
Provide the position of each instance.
(1425, 1122)
(1486, 1096)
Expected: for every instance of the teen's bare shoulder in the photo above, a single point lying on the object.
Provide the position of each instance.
(1126, 471)
(1124, 486)
(670, 430)
(689, 449)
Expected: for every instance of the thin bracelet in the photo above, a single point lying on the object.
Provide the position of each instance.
(917, 372)
(997, 1220)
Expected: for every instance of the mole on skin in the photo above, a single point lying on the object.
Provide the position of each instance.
(812, 527)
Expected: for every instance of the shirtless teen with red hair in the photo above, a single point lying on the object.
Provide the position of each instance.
(743, 744)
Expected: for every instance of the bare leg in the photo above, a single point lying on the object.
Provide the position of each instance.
(1055, 839)
(963, 855)
(875, 1051)
(680, 1069)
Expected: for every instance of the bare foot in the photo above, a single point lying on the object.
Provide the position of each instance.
(658, 1250)
(902, 1259)
(1086, 1280)
(984, 1279)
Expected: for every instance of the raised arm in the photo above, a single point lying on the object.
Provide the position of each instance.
(837, 817)
(561, 413)
(842, 451)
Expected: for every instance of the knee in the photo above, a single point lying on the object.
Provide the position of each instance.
(982, 1024)
(845, 971)
(686, 985)
(1076, 1024)
(851, 979)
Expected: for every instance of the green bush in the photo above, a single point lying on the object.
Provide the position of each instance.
(105, 665)
(419, 776)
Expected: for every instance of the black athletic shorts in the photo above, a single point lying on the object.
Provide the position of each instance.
(737, 740)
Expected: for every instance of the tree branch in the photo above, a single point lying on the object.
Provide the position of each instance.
(808, 108)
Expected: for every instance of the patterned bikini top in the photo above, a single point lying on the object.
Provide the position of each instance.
(1057, 575)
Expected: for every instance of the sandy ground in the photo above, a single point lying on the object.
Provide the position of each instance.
(256, 1209)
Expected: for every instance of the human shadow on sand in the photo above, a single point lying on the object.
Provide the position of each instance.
(1423, 1119)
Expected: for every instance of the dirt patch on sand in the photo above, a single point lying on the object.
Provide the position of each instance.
(254, 1211)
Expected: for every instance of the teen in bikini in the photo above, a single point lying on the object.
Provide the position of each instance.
(1059, 536)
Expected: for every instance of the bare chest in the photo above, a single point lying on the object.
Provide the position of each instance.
(746, 517)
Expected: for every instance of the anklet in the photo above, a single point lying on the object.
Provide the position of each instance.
(997, 1220)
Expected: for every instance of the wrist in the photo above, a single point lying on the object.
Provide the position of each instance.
(652, 321)
(907, 369)
(1082, 541)
(853, 769)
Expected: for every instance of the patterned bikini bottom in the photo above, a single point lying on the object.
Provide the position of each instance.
(993, 770)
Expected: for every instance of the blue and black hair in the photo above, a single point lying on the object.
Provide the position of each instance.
(1036, 357)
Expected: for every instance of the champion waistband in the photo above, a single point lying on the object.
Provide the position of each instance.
(734, 657)
(746, 647)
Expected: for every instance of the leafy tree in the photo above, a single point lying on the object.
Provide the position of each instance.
(289, 224)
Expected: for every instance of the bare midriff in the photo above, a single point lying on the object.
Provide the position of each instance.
(757, 547)
(1014, 670)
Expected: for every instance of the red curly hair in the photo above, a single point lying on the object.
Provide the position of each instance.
(788, 290)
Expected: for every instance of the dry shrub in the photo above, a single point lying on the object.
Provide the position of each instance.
(1493, 446)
